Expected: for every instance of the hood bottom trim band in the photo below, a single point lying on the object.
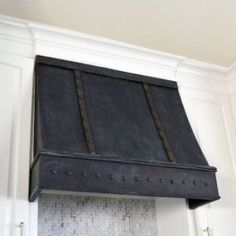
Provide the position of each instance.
(70, 174)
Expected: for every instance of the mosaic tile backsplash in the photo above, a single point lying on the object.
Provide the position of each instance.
(64, 215)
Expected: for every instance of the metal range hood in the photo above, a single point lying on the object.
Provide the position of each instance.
(105, 131)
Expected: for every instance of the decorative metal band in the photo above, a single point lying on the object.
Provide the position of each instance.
(84, 113)
(158, 124)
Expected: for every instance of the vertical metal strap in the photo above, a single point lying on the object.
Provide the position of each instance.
(84, 113)
(158, 124)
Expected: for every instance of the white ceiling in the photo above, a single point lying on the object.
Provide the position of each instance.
(199, 29)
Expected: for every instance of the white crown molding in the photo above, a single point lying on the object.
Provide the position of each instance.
(231, 79)
(27, 39)
(203, 69)
(231, 73)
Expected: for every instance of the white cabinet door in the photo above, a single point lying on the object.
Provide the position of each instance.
(15, 123)
(211, 117)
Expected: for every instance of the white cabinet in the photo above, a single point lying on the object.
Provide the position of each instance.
(212, 120)
(15, 121)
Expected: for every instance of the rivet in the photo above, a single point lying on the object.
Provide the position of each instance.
(172, 181)
(183, 182)
(136, 178)
(149, 179)
(53, 171)
(111, 177)
(98, 175)
(124, 178)
(205, 184)
(85, 120)
(68, 173)
(84, 174)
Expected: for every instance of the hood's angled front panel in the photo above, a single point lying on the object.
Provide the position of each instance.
(104, 131)
(58, 112)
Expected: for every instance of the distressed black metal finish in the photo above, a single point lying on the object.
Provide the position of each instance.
(105, 131)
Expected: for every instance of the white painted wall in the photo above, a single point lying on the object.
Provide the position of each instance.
(206, 90)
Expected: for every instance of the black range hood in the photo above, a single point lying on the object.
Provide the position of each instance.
(105, 131)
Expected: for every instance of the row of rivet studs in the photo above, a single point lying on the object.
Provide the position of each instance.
(124, 178)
